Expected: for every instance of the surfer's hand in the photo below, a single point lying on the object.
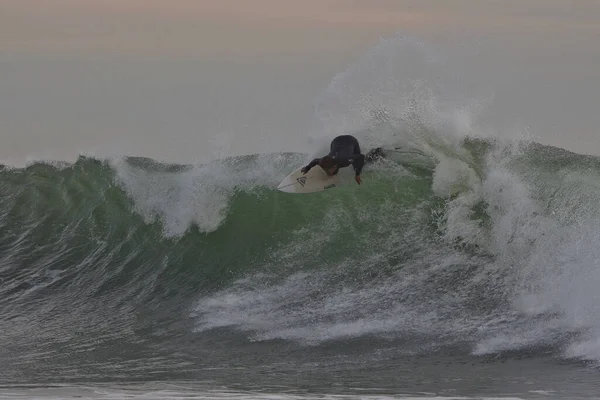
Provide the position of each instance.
(357, 179)
(303, 170)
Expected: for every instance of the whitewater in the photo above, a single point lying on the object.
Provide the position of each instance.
(465, 266)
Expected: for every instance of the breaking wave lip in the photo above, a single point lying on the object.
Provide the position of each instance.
(198, 195)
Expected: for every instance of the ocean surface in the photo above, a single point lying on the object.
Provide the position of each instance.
(464, 266)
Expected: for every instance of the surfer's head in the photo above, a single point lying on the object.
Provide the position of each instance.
(329, 165)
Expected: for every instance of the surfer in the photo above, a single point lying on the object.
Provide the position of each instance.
(344, 151)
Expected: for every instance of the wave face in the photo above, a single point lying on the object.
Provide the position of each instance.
(131, 269)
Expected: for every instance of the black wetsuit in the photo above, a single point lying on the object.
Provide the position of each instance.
(345, 150)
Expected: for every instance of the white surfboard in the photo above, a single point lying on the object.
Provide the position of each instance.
(315, 180)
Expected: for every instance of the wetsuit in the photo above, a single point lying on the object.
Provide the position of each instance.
(345, 150)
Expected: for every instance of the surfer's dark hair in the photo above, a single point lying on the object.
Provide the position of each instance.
(327, 162)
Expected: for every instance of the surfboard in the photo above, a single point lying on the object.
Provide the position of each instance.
(315, 180)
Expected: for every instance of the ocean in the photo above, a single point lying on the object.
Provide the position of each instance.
(465, 266)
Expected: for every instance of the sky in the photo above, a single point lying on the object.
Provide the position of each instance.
(192, 80)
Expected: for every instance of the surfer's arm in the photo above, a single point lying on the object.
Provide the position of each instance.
(310, 165)
(358, 163)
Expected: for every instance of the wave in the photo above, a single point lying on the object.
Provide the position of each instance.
(498, 251)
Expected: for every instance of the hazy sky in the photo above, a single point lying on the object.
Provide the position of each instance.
(188, 80)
